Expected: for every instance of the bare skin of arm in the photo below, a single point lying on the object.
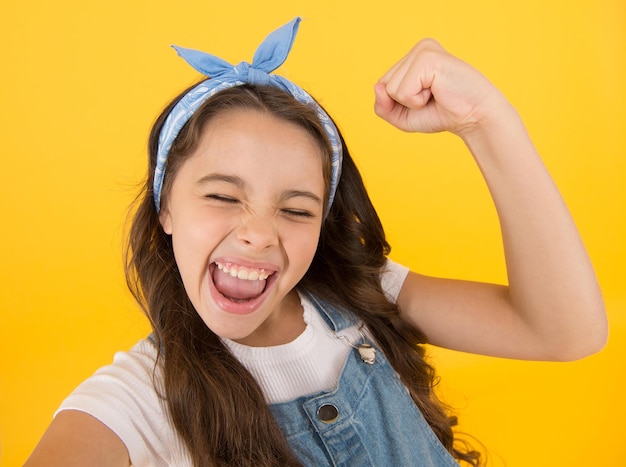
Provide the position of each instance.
(552, 308)
(77, 439)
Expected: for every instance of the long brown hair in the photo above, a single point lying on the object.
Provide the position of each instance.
(209, 394)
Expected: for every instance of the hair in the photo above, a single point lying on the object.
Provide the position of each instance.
(208, 393)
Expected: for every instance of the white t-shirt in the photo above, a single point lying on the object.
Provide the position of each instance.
(126, 395)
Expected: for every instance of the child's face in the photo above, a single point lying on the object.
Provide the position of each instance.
(247, 203)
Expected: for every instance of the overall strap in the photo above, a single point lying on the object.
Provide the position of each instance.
(337, 318)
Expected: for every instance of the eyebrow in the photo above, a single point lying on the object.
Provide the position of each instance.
(215, 177)
(239, 183)
(289, 194)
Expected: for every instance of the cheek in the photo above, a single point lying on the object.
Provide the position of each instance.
(303, 246)
(193, 243)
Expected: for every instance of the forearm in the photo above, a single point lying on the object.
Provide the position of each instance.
(552, 308)
(552, 285)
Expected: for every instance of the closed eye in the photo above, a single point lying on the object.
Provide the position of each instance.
(222, 198)
(298, 213)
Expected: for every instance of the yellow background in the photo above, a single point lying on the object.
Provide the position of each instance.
(81, 82)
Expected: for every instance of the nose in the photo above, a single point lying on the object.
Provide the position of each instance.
(258, 232)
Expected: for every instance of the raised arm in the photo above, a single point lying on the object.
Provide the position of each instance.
(552, 308)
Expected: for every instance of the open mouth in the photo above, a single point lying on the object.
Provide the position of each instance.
(239, 284)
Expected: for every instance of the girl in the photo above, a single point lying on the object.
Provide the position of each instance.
(282, 333)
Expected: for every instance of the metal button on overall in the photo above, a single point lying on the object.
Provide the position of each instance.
(328, 413)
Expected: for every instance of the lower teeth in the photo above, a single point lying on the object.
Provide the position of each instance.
(238, 300)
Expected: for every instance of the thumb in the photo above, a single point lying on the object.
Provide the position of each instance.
(383, 104)
(404, 113)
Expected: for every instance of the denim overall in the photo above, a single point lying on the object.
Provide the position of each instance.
(369, 420)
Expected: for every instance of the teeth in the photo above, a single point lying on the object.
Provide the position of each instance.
(243, 273)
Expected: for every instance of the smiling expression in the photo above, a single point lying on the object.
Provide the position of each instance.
(245, 211)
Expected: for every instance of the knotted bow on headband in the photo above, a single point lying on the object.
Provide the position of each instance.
(270, 55)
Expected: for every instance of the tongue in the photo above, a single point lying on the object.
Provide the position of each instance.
(237, 289)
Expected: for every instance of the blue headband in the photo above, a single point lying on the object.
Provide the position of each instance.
(270, 55)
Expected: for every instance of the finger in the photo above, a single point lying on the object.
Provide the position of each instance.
(394, 70)
(410, 81)
(383, 104)
(385, 107)
(411, 89)
(390, 110)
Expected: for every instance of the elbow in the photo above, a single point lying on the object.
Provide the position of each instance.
(578, 352)
(584, 343)
(592, 346)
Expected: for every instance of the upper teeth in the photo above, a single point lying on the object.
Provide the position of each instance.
(241, 272)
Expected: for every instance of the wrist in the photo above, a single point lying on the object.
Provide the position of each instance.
(491, 116)
(497, 133)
